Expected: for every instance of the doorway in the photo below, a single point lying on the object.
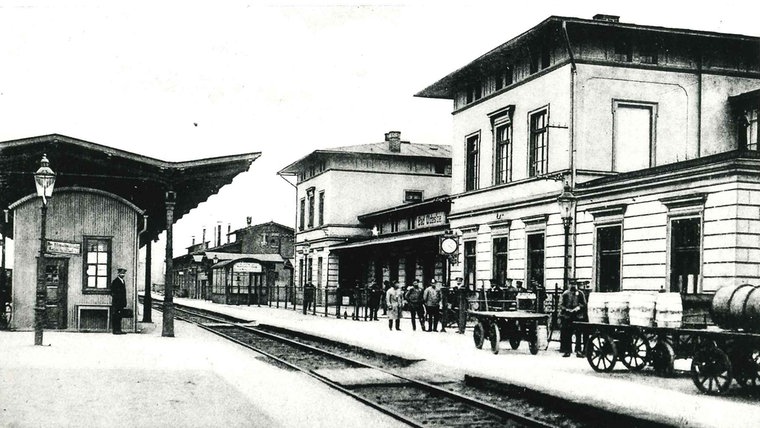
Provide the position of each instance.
(56, 288)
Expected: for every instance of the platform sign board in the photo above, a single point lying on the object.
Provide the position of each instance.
(59, 247)
(430, 220)
(250, 267)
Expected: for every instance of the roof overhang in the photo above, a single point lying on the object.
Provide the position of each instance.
(141, 180)
(387, 240)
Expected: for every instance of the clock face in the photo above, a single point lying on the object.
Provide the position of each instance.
(449, 245)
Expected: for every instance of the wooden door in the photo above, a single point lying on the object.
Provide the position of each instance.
(56, 287)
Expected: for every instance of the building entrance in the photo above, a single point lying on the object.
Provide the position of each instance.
(56, 288)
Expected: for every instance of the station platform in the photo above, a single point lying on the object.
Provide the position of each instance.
(674, 400)
(195, 379)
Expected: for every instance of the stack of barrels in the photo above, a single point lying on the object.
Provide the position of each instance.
(640, 308)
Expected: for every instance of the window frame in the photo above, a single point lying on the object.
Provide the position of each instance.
(310, 198)
(302, 217)
(321, 219)
(501, 123)
(470, 257)
(528, 264)
(407, 192)
(700, 250)
(109, 252)
(598, 255)
(533, 135)
(644, 105)
(498, 257)
(472, 162)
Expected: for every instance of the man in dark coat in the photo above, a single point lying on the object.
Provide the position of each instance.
(572, 306)
(118, 300)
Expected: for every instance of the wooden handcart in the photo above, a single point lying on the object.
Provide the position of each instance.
(718, 356)
(511, 326)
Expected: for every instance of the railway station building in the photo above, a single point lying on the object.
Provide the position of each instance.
(653, 132)
(106, 204)
(335, 187)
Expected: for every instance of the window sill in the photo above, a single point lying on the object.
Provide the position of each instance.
(96, 291)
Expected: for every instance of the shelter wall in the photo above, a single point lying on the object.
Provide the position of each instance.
(73, 215)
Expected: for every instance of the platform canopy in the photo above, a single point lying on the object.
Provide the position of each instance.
(139, 179)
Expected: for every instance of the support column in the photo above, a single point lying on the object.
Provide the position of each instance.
(41, 295)
(168, 316)
(148, 300)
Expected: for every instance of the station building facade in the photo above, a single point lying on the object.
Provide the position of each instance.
(654, 130)
(335, 186)
(270, 243)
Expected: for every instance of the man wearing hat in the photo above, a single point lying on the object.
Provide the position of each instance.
(118, 300)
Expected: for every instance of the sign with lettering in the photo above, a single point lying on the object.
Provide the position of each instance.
(59, 247)
(247, 267)
(430, 220)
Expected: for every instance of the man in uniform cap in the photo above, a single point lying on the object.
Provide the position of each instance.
(118, 300)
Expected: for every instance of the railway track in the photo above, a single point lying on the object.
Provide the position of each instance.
(380, 381)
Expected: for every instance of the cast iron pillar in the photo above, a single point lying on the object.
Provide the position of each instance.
(168, 316)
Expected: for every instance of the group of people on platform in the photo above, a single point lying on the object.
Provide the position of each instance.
(423, 304)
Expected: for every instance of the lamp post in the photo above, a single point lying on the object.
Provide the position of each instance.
(566, 201)
(305, 277)
(44, 180)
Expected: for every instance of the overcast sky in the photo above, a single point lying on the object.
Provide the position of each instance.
(282, 78)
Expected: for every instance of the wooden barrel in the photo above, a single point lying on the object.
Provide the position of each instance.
(669, 310)
(642, 308)
(737, 307)
(597, 308)
(617, 308)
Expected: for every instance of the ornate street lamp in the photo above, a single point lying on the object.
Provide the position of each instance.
(566, 201)
(44, 180)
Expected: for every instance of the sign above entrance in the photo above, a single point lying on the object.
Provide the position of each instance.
(430, 220)
(247, 267)
(59, 247)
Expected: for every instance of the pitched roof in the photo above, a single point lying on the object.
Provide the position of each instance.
(436, 151)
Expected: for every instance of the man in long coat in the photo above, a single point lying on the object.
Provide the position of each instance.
(118, 300)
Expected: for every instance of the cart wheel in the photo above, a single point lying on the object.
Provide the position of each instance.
(636, 353)
(748, 369)
(479, 335)
(662, 359)
(514, 342)
(533, 346)
(711, 370)
(601, 352)
(495, 338)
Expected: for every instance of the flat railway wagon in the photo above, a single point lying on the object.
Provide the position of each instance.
(721, 353)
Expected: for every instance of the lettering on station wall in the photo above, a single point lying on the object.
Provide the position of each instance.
(59, 247)
(247, 267)
(430, 220)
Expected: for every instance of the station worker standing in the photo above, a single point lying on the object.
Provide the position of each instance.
(432, 299)
(573, 305)
(413, 296)
(394, 300)
(118, 300)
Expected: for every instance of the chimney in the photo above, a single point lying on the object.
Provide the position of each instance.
(219, 234)
(193, 240)
(203, 240)
(606, 18)
(248, 220)
(394, 141)
(229, 230)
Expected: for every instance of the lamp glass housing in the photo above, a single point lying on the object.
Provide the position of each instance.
(44, 179)
(566, 202)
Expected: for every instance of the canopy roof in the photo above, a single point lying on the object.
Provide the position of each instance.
(139, 179)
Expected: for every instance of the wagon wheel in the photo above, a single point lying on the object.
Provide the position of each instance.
(748, 369)
(711, 371)
(637, 352)
(601, 352)
(495, 338)
(479, 335)
(514, 342)
(533, 344)
(662, 358)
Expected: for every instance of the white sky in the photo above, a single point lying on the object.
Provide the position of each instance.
(282, 78)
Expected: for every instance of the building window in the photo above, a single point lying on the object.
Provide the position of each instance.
(319, 272)
(623, 51)
(302, 215)
(394, 226)
(412, 195)
(411, 223)
(685, 244)
(470, 276)
(503, 137)
(309, 266)
(633, 135)
(608, 257)
(97, 263)
(539, 144)
(474, 92)
(749, 132)
(535, 260)
(471, 162)
(322, 208)
(500, 260)
(310, 197)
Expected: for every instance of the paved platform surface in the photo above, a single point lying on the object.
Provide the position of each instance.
(671, 400)
(195, 379)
